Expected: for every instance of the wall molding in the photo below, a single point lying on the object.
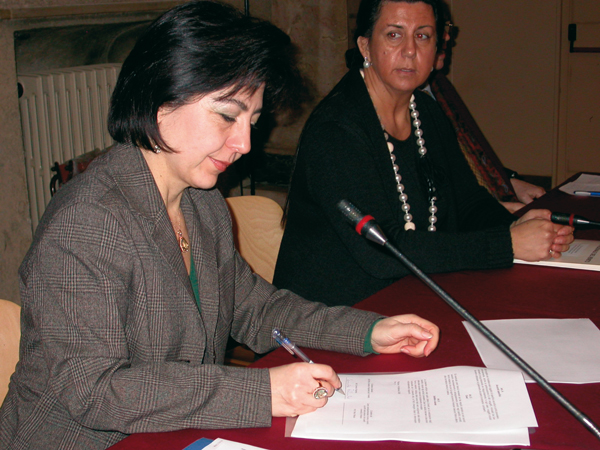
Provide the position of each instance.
(80, 10)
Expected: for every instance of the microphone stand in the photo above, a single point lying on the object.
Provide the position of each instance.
(580, 416)
(372, 232)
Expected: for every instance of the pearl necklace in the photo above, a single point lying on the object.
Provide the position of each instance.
(409, 225)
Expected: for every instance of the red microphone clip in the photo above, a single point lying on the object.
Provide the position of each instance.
(361, 224)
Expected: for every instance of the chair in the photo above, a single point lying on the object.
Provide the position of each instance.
(64, 172)
(10, 334)
(257, 231)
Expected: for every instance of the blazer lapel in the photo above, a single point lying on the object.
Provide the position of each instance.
(166, 241)
(202, 246)
(139, 187)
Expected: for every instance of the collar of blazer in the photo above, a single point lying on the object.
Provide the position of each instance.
(133, 177)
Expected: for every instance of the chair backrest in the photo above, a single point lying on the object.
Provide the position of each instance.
(257, 231)
(10, 334)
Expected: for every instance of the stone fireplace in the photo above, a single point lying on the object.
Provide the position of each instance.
(50, 34)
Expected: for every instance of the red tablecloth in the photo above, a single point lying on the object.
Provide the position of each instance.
(520, 292)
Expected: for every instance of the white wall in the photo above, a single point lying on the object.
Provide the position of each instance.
(506, 68)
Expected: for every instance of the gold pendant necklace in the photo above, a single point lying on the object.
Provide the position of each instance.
(183, 244)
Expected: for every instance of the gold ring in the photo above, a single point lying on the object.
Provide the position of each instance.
(320, 393)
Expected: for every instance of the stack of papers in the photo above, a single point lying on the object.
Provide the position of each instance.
(471, 405)
(585, 182)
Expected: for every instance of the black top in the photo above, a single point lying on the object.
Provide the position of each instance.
(343, 155)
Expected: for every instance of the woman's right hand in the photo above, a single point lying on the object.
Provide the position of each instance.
(535, 237)
(293, 386)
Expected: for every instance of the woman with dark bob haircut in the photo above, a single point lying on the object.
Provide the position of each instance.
(171, 65)
(378, 141)
(132, 285)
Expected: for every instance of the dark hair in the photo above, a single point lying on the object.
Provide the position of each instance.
(190, 51)
(369, 12)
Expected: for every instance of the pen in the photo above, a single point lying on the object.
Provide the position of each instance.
(294, 350)
(587, 193)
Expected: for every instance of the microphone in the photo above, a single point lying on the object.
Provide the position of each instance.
(366, 226)
(575, 221)
(363, 224)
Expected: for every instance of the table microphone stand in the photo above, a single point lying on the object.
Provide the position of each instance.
(367, 227)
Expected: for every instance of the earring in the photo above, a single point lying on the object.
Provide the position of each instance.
(156, 149)
(367, 63)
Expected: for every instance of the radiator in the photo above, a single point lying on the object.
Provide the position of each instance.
(63, 115)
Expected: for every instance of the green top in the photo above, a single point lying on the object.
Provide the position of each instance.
(194, 281)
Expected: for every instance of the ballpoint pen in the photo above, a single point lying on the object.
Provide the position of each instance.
(588, 193)
(282, 340)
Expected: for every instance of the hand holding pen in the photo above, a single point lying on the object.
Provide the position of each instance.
(320, 392)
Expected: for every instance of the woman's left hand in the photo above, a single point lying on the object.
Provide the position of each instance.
(406, 333)
(536, 238)
(563, 239)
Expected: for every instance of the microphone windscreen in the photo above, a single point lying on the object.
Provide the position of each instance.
(560, 218)
(350, 212)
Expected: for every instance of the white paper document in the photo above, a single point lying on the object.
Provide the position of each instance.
(585, 182)
(560, 350)
(223, 444)
(471, 405)
(582, 254)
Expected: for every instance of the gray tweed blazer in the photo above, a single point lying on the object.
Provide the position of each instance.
(112, 340)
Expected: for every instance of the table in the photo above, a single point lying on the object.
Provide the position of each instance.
(559, 201)
(519, 292)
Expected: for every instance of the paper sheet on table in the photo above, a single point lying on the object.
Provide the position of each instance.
(224, 444)
(561, 350)
(471, 405)
(582, 254)
(585, 182)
